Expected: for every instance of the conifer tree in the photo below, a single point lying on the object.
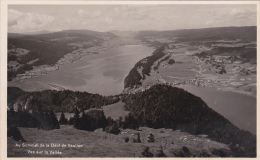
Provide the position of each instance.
(45, 121)
(160, 152)
(53, 121)
(147, 153)
(138, 138)
(76, 119)
(130, 122)
(120, 122)
(84, 122)
(63, 120)
(71, 121)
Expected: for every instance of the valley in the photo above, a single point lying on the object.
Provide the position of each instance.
(102, 72)
(140, 75)
(221, 72)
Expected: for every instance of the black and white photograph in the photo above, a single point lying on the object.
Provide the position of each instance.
(133, 80)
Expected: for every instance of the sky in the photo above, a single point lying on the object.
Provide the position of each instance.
(33, 18)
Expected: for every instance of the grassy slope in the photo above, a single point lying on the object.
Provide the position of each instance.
(115, 110)
(95, 145)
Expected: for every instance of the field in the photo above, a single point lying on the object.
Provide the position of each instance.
(238, 75)
(115, 110)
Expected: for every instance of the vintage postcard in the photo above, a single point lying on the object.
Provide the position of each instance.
(129, 79)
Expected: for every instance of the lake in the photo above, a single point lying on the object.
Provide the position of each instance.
(239, 109)
(102, 73)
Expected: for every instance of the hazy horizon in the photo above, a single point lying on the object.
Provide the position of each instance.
(103, 18)
(49, 31)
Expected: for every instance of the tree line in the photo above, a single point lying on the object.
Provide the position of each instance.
(58, 101)
(94, 118)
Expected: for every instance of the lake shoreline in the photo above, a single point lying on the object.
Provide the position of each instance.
(115, 64)
(224, 102)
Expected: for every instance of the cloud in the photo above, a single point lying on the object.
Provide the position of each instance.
(209, 22)
(19, 21)
(96, 14)
(129, 17)
(235, 16)
(91, 14)
(13, 17)
(109, 20)
(132, 12)
(241, 13)
(81, 12)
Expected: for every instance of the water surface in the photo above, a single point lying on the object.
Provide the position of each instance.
(102, 73)
(239, 109)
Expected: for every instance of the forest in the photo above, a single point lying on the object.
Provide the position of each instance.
(164, 106)
(133, 78)
(58, 101)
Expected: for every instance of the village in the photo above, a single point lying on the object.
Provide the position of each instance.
(223, 72)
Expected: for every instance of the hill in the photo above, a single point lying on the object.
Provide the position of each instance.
(38, 32)
(91, 33)
(143, 67)
(161, 106)
(128, 33)
(102, 144)
(247, 34)
(164, 106)
(26, 51)
(57, 101)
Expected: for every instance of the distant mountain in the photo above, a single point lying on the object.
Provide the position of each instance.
(227, 33)
(124, 33)
(67, 35)
(47, 35)
(90, 33)
(38, 32)
(13, 35)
